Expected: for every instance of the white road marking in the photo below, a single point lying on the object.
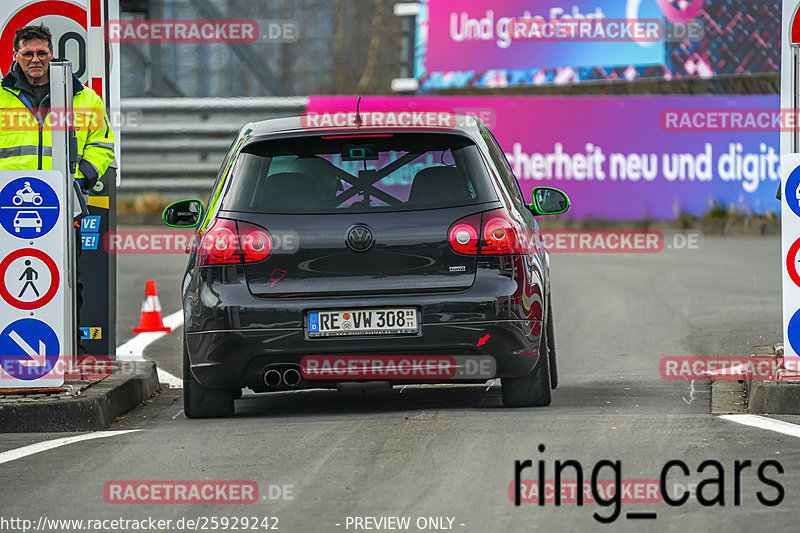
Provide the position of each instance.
(691, 394)
(763, 422)
(31, 449)
(133, 349)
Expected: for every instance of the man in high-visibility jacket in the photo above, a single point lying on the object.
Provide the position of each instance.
(26, 120)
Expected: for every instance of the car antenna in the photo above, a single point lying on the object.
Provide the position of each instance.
(358, 121)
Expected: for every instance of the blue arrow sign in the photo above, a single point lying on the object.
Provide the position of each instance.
(29, 349)
(793, 332)
(29, 207)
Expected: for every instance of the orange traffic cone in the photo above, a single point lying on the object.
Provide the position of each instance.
(150, 319)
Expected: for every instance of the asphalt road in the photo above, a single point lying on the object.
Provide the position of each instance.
(450, 451)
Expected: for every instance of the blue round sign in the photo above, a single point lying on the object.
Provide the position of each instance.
(793, 332)
(792, 192)
(29, 208)
(29, 349)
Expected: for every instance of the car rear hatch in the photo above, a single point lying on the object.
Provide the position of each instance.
(409, 252)
(361, 215)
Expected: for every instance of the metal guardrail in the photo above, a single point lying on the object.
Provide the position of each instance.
(177, 144)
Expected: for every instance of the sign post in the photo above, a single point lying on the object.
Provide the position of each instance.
(78, 28)
(35, 300)
(790, 183)
(65, 161)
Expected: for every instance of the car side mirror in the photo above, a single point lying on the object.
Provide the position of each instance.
(549, 201)
(183, 213)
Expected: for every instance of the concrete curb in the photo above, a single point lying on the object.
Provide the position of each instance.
(773, 396)
(97, 407)
(728, 397)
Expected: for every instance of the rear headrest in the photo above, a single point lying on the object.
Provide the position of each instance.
(432, 184)
(292, 190)
(311, 165)
(320, 168)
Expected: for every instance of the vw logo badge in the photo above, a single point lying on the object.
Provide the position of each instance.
(360, 238)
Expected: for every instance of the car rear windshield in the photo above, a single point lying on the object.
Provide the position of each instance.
(329, 174)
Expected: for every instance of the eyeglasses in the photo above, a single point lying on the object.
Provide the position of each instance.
(41, 54)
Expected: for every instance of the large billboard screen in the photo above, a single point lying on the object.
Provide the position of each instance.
(485, 44)
(627, 158)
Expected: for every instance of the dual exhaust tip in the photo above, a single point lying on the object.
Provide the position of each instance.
(275, 378)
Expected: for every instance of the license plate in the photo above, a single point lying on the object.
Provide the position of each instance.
(362, 322)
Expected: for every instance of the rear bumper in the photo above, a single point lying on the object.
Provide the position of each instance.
(237, 358)
(232, 336)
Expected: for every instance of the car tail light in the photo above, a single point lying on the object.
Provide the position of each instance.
(464, 235)
(218, 245)
(231, 242)
(256, 242)
(501, 234)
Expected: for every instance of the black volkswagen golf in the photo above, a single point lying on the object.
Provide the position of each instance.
(380, 256)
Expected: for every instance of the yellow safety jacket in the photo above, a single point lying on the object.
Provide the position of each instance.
(26, 142)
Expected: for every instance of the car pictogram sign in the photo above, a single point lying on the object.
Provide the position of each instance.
(29, 208)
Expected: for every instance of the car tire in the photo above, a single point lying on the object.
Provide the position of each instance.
(531, 390)
(200, 401)
(551, 347)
